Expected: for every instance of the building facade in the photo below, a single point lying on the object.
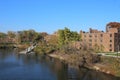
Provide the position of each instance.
(106, 41)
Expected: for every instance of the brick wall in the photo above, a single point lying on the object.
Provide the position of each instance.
(109, 39)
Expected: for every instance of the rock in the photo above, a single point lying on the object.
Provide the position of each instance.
(108, 72)
(96, 68)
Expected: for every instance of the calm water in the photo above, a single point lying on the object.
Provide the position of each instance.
(34, 67)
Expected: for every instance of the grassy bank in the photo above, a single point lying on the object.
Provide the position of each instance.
(106, 64)
(112, 64)
(82, 58)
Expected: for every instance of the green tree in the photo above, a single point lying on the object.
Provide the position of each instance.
(37, 37)
(75, 36)
(61, 36)
(65, 36)
(28, 36)
(2, 35)
(11, 34)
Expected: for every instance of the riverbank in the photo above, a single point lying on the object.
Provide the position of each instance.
(7, 45)
(42, 67)
(101, 66)
(83, 58)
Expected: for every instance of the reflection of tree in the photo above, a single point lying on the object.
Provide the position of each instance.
(4, 53)
(56, 67)
(64, 72)
(27, 59)
(61, 70)
(93, 75)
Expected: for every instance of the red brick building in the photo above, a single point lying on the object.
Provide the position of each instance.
(108, 41)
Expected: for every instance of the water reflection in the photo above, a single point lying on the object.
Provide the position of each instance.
(35, 67)
(65, 72)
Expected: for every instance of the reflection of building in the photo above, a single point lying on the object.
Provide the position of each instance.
(108, 41)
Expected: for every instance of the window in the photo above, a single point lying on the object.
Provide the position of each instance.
(110, 49)
(110, 35)
(110, 45)
(116, 35)
(110, 40)
(101, 35)
(90, 40)
(118, 29)
(90, 35)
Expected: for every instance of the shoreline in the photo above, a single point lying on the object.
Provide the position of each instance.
(97, 66)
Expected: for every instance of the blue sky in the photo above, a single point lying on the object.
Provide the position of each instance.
(51, 15)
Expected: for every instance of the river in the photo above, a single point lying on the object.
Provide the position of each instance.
(14, 66)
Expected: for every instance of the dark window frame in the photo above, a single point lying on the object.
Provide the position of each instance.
(110, 35)
(110, 40)
(101, 35)
(110, 45)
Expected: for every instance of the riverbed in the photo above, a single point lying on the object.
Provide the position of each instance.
(14, 66)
